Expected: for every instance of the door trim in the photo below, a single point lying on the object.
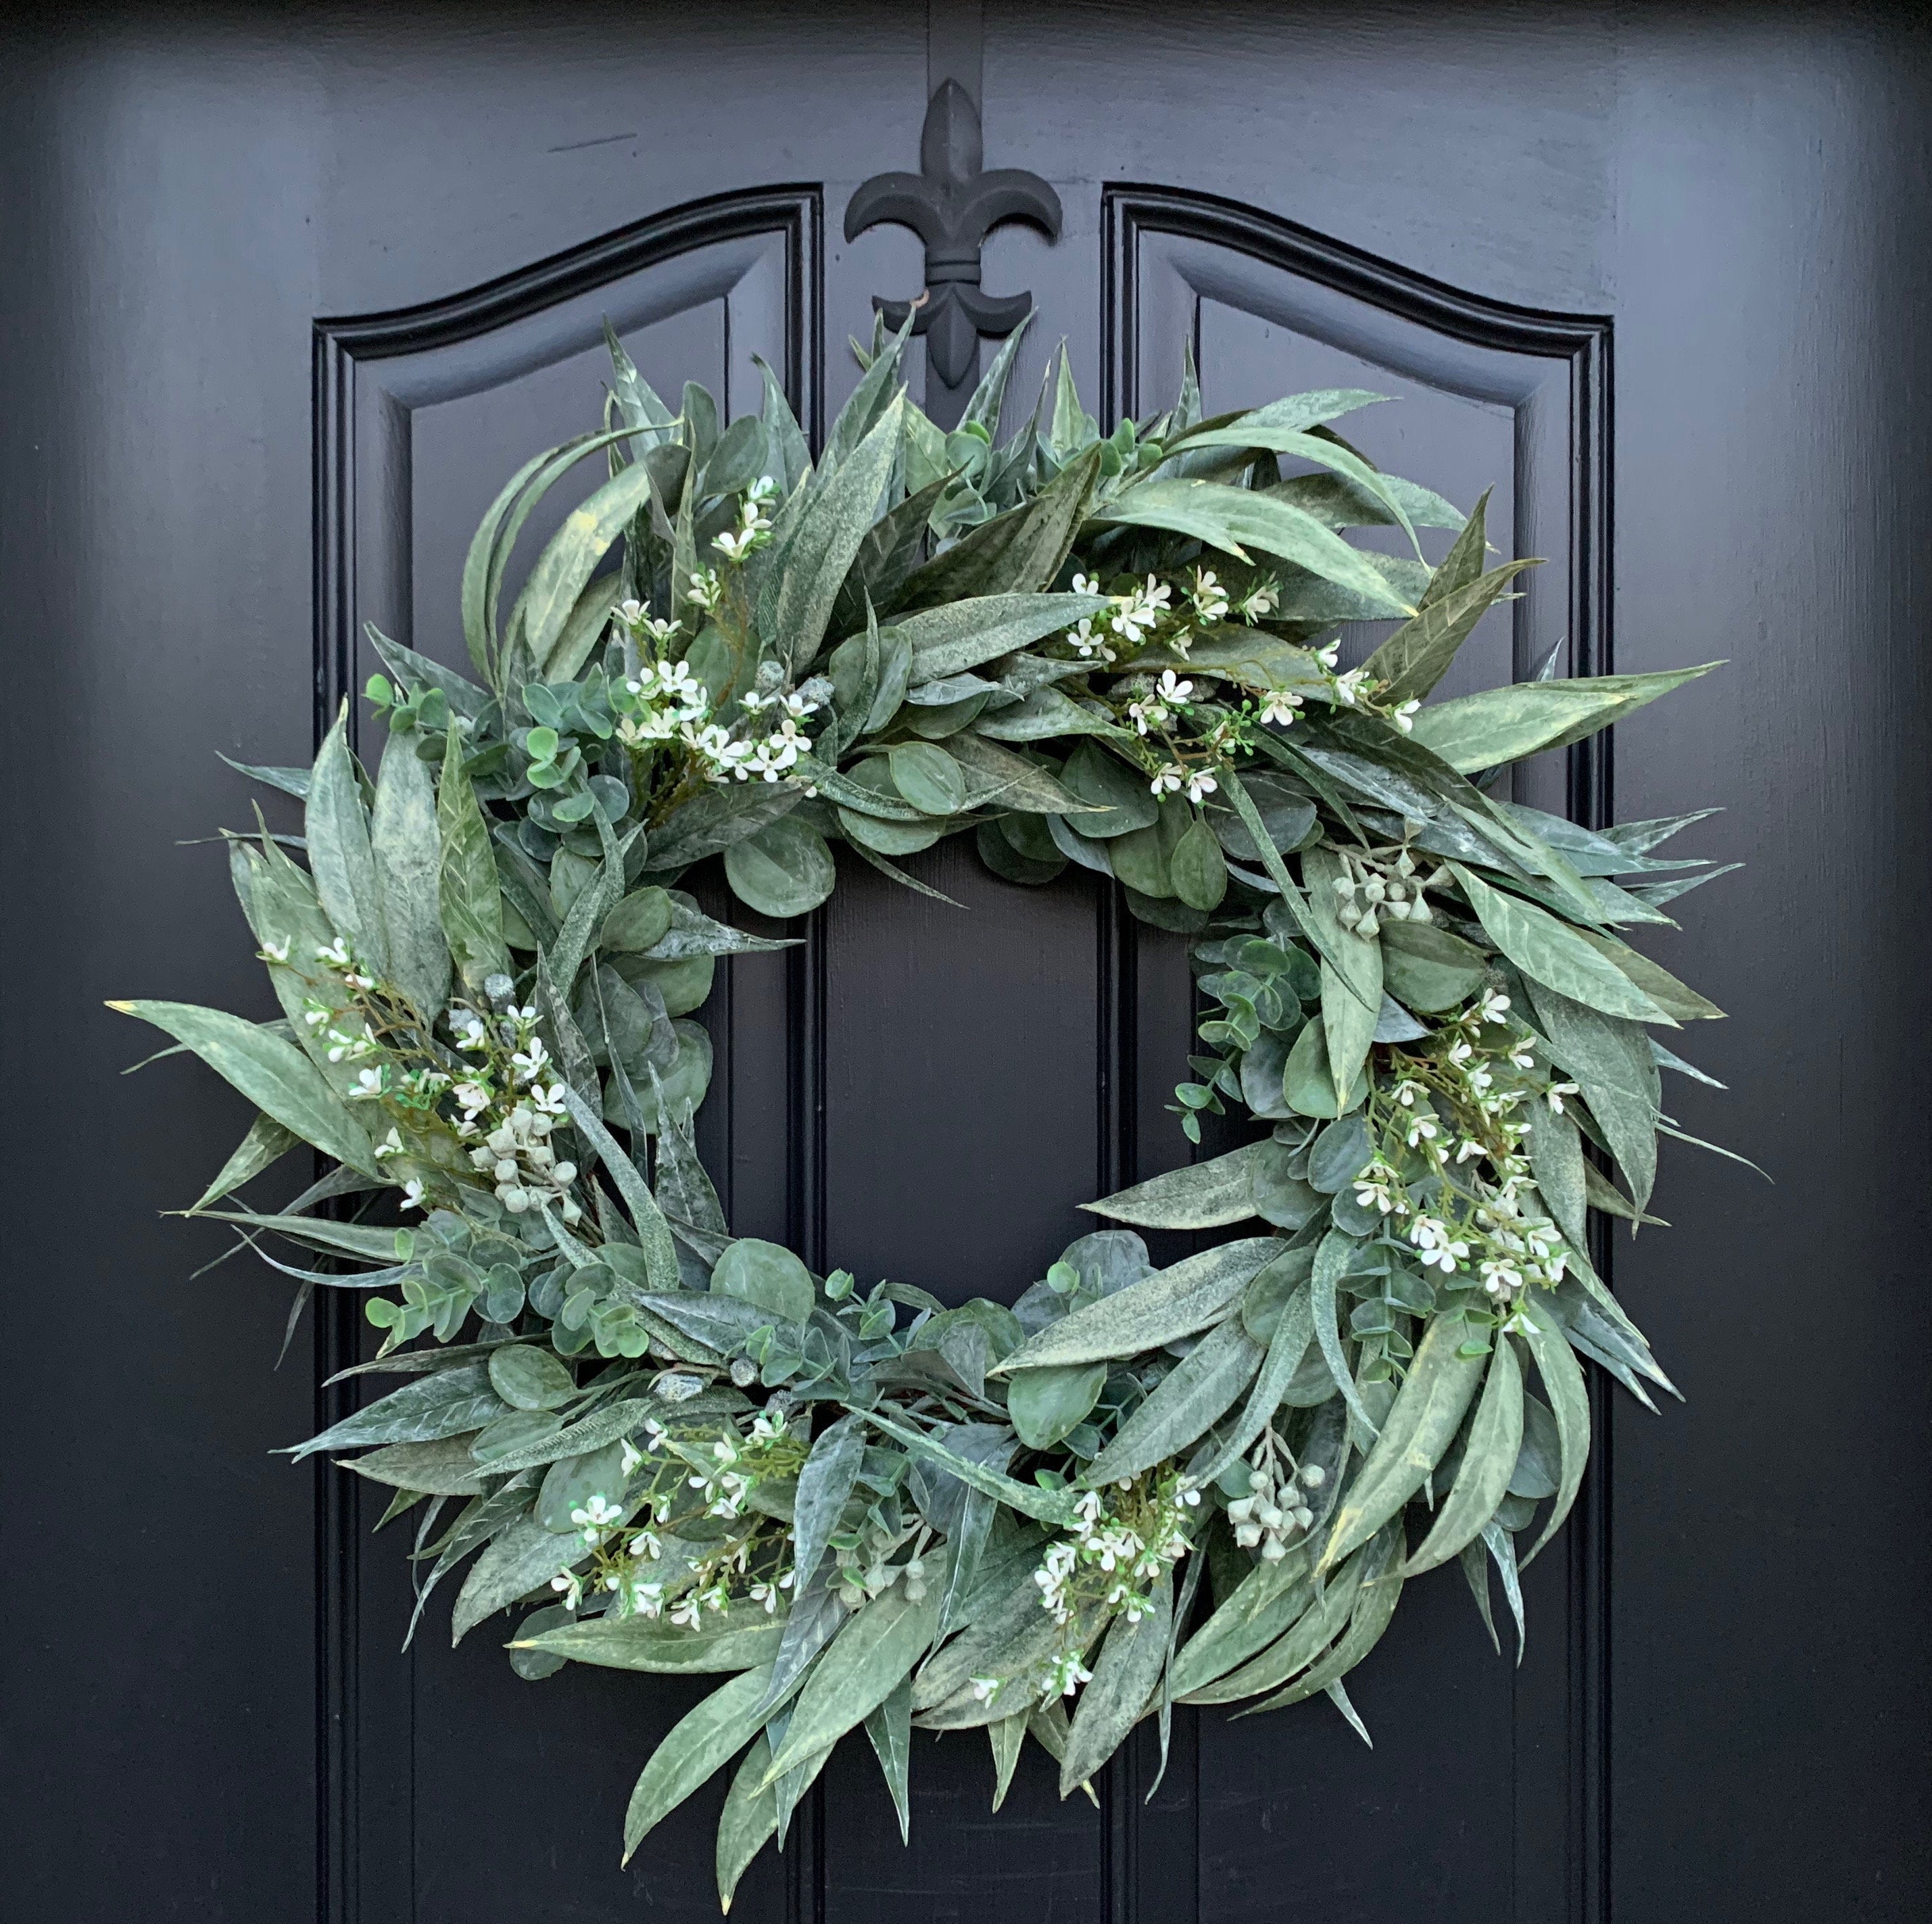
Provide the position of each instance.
(793, 213)
(1130, 213)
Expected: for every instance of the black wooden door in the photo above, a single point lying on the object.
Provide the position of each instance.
(288, 295)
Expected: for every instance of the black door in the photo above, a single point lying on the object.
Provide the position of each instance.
(288, 296)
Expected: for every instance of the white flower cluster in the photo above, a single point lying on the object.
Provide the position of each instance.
(755, 525)
(1127, 1556)
(1511, 1248)
(664, 702)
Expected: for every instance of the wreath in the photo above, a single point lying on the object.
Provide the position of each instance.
(686, 1450)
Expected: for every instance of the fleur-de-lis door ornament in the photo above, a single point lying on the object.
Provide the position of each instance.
(951, 203)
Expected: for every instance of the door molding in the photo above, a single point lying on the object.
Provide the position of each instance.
(458, 344)
(1514, 355)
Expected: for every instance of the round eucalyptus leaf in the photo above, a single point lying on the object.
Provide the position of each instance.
(1118, 793)
(684, 984)
(929, 778)
(684, 1087)
(785, 869)
(1029, 835)
(766, 1274)
(1143, 858)
(533, 1666)
(1339, 1155)
(571, 1482)
(1045, 1405)
(1279, 1197)
(942, 718)
(1353, 1218)
(528, 1378)
(1262, 1070)
(1200, 872)
(1174, 916)
(640, 921)
(889, 838)
(1006, 861)
(1308, 1084)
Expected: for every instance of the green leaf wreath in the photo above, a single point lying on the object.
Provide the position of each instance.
(673, 1450)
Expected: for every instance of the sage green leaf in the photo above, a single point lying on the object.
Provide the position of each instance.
(783, 870)
(1280, 1196)
(1007, 1735)
(837, 516)
(653, 1233)
(468, 891)
(1171, 1304)
(1199, 869)
(1663, 988)
(1347, 1027)
(266, 1142)
(998, 774)
(408, 852)
(1610, 1059)
(1419, 653)
(1201, 1196)
(868, 1659)
(767, 1275)
(1300, 445)
(1143, 858)
(584, 627)
(1569, 1402)
(1426, 967)
(890, 1728)
(1504, 725)
(1116, 795)
(1552, 952)
(1045, 714)
(1294, 1330)
(1312, 1630)
(1556, 1161)
(1307, 1084)
(1374, 1608)
(1315, 928)
(1234, 519)
(751, 1813)
(738, 1637)
(1187, 1402)
(929, 778)
(274, 1075)
(697, 1746)
(784, 439)
(639, 922)
(364, 1242)
(527, 1378)
(1045, 1405)
(1048, 1506)
(336, 827)
(962, 635)
(610, 1424)
(824, 1486)
(564, 569)
(715, 820)
(1124, 1678)
(1421, 1423)
(1332, 1258)
(1489, 1456)
(524, 1558)
(443, 1468)
(1264, 1605)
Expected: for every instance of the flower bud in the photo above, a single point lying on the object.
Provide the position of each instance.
(1314, 1475)
(744, 1371)
(1274, 1550)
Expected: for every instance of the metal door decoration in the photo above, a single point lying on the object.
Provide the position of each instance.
(952, 203)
